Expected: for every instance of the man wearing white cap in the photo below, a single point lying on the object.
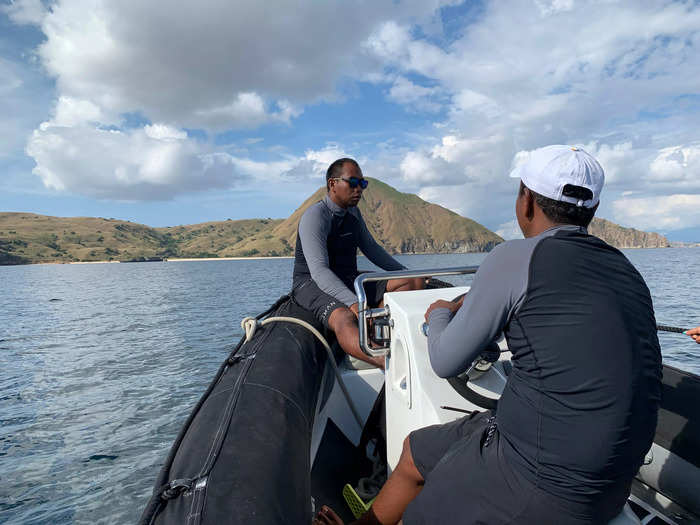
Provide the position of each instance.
(578, 411)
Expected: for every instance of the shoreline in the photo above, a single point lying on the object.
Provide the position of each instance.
(258, 258)
(85, 262)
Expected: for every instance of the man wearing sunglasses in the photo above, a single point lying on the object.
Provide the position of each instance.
(325, 265)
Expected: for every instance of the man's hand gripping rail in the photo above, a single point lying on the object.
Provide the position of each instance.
(365, 313)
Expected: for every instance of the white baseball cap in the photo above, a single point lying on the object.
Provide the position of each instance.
(548, 170)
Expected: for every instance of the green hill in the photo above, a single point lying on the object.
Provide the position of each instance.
(401, 222)
(31, 238)
(243, 238)
(405, 223)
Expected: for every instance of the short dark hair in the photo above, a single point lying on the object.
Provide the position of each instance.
(563, 212)
(336, 168)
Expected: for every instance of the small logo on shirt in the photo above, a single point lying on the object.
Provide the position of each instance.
(345, 234)
(327, 310)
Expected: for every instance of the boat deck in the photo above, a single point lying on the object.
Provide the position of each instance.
(337, 462)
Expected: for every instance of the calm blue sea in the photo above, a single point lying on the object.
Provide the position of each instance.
(101, 364)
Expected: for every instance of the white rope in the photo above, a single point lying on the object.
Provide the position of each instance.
(251, 324)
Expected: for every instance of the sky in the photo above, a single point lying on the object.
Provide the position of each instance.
(168, 112)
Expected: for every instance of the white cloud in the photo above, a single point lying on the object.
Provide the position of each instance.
(264, 172)
(310, 169)
(679, 165)
(247, 110)
(393, 44)
(25, 11)
(471, 102)
(71, 112)
(509, 230)
(670, 212)
(164, 132)
(390, 42)
(152, 163)
(566, 72)
(324, 157)
(214, 64)
(424, 170)
(454, 160)
(619, 161)
(413, 95)
(550, 7)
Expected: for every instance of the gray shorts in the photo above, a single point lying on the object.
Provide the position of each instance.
(469, 481)
(310, 297)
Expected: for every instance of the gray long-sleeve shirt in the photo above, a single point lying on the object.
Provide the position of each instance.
(314, 229)
(578, 410)
(498, 288)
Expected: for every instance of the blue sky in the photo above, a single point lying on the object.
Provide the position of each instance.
(170, 113)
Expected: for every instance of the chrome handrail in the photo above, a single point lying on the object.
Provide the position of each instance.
(365, 313)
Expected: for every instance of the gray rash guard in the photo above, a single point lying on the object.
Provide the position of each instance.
(316, 226)
(578, 411)
(498, 288)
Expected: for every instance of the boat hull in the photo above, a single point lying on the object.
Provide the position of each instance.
(243, 455)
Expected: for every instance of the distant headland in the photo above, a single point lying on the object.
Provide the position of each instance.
(402, 222)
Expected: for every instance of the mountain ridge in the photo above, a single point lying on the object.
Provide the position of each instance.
(402, 222)
(623, 237)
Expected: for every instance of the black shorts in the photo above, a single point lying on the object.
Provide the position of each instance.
(468, 481)
(309, 296)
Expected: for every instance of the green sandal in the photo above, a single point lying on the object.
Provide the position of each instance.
(357, 506)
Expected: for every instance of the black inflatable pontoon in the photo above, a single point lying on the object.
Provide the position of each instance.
(244, 451)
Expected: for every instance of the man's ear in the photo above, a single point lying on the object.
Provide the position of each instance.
(529, 204)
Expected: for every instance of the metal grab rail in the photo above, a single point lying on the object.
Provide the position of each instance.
(365, 313)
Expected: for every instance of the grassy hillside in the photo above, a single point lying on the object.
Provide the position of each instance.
(401, 222)
(243, 238)
(27, 237)
(405, 223)
(31, 238)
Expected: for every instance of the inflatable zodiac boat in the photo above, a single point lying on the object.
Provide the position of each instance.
(285, 424)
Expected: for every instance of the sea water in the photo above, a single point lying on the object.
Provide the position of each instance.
(102, 363)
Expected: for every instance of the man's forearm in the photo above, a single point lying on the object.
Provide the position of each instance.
(447, 356)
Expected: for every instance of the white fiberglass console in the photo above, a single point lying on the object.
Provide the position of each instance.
(415, 395)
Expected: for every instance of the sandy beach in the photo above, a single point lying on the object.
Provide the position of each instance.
(228, 258)
(183, 260)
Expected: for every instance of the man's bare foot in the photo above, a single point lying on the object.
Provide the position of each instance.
(326, 516)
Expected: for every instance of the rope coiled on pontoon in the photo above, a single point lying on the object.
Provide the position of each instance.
(251, 324)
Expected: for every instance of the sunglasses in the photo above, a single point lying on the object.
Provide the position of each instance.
(354, 182)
